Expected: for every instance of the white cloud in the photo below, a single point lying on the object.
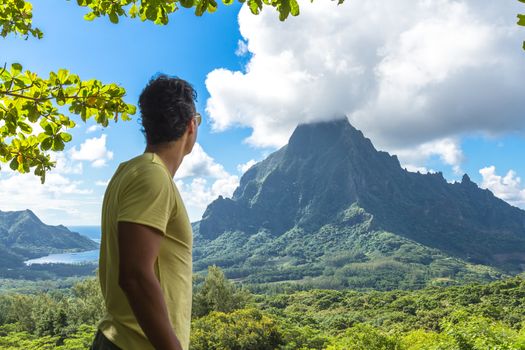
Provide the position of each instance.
(58, 201)
(94, 128)
(242, 48)
(448, 150)
(102, 183)
(65, 165)
(199, 163)
(415, 169)
(201, 180)
(93, 150)
(198, 193)
(508, 187)
(242, 168)
(409, 73)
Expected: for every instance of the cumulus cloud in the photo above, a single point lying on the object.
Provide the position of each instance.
(447, 149)
(200, 192)
(58, 201)
(199, 163)
(242, 48)
(508, 187)
(242, 168)
(65, 165)
(93, 150)
(200, 180)
(94, 128)
(409, 73)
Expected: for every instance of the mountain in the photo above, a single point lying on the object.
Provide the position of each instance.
(24, 236)
(328, 208)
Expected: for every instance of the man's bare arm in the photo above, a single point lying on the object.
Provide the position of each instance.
(138, 249)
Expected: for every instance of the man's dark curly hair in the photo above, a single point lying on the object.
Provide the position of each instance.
(166, 105)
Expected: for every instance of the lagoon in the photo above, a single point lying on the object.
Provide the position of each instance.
(66, 258)
(92, 232)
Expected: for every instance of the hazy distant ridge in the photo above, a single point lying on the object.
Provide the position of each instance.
(24, 236)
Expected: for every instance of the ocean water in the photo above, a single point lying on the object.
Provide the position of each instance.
(66, 258)
(92, 232)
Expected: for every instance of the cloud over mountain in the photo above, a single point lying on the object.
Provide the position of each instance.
(410, 74)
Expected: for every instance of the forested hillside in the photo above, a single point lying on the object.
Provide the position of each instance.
(330, 211)
(226, 317)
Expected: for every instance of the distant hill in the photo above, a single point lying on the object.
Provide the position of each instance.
(329, 210)
(24, 236)
(91, 232)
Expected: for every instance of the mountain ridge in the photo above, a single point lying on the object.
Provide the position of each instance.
(24, 236)
(328, 168)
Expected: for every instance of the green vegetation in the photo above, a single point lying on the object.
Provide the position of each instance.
(335, 257)
(48, 272)
(471, 317)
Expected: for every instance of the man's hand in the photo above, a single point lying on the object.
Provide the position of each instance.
(138, 250)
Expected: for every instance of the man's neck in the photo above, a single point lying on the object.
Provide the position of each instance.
(171, 154)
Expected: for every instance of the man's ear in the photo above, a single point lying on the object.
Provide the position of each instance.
(191, 126)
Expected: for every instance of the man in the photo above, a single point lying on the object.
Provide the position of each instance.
(145, 266)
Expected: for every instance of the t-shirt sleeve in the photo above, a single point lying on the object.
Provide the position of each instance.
(147, 199)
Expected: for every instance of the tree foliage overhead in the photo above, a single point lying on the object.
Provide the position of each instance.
(28, 101)
(158, 10)
(16, 17)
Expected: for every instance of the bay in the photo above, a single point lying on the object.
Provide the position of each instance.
(66, 258)
(92, 232)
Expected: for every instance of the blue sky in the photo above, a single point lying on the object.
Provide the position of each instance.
(440, 88)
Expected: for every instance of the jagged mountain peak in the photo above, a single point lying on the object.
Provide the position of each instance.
(317, 137)
(329, 167)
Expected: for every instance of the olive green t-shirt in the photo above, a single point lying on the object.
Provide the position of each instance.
(142, 191)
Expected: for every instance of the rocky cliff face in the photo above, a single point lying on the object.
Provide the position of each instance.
(328, 167)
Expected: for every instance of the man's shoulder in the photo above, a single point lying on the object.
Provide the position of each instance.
(146, 164)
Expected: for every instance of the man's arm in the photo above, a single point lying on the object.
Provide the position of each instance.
(138, 249)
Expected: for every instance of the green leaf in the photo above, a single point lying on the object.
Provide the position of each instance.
(201, 7)
(46, 144)
(521, 20)
(212, 6)
(255, 6)
(62, 75)
(14, 164)
(25, 127)
(133, 11)
(187, 3)
(66, 137)
(90, 16)
(294, 8)
(113, 17)
(58, 144)
(16, 68)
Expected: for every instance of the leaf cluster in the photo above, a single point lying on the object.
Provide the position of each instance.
(16, 17)
(29, 103)
(158, 11)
